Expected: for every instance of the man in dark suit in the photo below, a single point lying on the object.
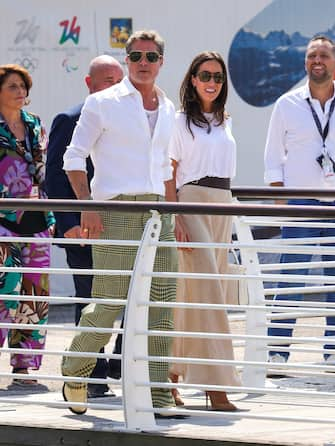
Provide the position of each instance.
(104, 71)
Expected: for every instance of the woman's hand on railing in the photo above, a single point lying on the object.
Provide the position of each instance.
(52, 229)
(181, 232)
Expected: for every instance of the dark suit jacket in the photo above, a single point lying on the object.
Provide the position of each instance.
(57, 183)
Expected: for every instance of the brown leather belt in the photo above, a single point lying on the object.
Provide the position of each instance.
(219, 183)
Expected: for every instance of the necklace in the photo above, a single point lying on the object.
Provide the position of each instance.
(151, 103)
(14, 121)
(209, 116)
(15, 125)
(18, 129)
(154, 99)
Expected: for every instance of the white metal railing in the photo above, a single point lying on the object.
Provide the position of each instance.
(136, 404)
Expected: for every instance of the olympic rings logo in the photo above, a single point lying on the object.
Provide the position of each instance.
(28, 63)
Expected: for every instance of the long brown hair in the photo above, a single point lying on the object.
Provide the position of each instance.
(190, 101)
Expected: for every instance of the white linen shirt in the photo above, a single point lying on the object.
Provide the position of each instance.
(207, 154)
(293, 141)
(114, 130)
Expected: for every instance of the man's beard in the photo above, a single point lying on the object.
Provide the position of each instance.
(320, 79)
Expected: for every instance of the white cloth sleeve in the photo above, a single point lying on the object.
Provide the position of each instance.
(86, 133)
(275, 152)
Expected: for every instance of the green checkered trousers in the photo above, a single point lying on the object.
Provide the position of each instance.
(127, 226)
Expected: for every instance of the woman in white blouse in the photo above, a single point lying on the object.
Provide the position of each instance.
(203, 153)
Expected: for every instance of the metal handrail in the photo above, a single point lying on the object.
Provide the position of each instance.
(175, 207)
(256, 340)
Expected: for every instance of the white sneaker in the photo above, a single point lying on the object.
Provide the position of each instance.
(330, 360)
(278, 359)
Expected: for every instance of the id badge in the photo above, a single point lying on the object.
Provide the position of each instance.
(327, 166)
(34, 192)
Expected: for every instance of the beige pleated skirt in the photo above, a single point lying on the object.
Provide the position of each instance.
(204, 228)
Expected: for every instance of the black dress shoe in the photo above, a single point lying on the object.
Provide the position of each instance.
(176, 416)
(114, 368)
(277, 376)
(98, 391)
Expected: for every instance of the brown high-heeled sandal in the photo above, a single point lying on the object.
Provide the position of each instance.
(177, 398)
(176, 395)
(219, 401)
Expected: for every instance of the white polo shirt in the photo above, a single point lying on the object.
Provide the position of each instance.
(114, 130)
(207, 154)
(293, 141)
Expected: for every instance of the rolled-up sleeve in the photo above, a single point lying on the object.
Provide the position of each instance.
(85, 135)
(167, 169)
(175, 142)
(275, 151)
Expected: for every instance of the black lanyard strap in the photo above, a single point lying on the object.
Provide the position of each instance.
(324, 132)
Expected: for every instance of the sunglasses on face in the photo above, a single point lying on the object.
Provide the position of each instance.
(137, 56)
(206, 76)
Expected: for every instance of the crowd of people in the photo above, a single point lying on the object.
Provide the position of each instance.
(127, 142)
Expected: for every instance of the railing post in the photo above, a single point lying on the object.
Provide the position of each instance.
(136, 319)
(255, 319)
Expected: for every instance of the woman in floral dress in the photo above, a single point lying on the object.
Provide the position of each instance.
(22, 167)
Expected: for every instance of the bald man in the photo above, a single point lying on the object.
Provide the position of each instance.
(104, 71)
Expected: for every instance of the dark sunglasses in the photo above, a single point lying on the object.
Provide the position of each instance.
(151, 56)
(206, 76)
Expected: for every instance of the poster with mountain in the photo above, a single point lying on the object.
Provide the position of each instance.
(266, 57)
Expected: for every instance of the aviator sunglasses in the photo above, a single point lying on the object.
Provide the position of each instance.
(206, 76)
(151, 56)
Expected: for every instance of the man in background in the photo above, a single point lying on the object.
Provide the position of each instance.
(104, 71)
(300, 152)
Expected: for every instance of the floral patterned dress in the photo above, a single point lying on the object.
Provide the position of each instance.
(19, 177)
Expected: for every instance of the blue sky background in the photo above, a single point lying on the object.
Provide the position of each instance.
(305, 16)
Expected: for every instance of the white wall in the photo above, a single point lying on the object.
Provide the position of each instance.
(187, 26)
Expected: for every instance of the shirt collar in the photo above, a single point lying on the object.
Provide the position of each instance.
(125, 87)
(306, 92)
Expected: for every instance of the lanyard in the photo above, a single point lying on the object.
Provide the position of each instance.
(324, 132)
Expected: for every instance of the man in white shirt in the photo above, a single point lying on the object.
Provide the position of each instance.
(104, 71)
(125, 130)
(299, 152)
